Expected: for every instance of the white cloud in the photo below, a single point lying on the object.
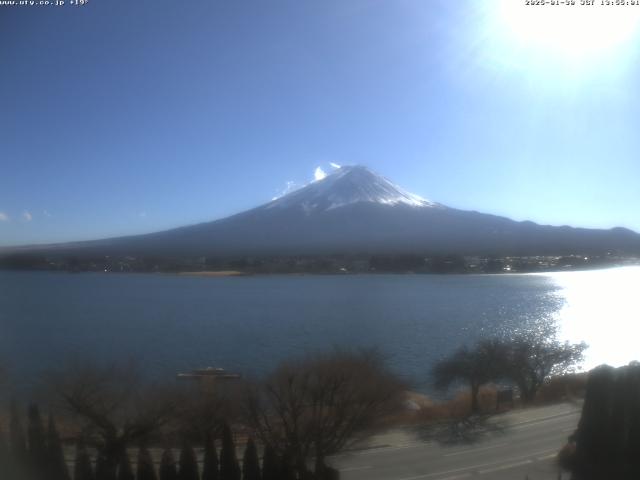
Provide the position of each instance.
(290, 186)
(142, 214)
(26, 216)
(335, 165)
(46, 213)
(319, 174)
(4, 217)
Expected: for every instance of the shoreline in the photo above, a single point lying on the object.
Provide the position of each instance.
(240, 273)
(210, 273)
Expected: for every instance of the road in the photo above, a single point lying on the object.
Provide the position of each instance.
(517, 445)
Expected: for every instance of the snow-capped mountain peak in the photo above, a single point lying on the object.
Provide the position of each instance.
(348, 185)
(351, 211)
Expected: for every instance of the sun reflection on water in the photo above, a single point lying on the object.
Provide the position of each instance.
(602, 308)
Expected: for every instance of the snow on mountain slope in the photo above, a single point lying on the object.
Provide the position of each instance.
(346, 186)
(353, 210)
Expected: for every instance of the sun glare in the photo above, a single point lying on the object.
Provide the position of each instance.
(571, 30)
(601, 308)
(573, 35)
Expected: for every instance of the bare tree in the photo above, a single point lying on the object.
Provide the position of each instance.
(201, 413)
(532, 359)
(475, 367)
(114, 406)
(528, 359)
(316, 406)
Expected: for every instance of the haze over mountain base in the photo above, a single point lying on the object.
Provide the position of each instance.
(353, 211)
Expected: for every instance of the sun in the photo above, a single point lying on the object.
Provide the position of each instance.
(573, 33)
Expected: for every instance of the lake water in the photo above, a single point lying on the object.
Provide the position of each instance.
(247, 324)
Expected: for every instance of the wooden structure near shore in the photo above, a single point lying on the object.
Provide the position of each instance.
(209, 377)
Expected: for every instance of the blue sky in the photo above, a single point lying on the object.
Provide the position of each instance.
(125, 117)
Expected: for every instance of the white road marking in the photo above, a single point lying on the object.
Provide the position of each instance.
(429, 475)
(508, 466)
(547, 457)
(537, 420)
(525, 425)
(514, 426)
(392, 448)
(456, 477)
(353, 469)
(523, 460)
(373, 451)
(472, 450)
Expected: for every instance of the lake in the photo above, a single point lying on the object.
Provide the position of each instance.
(173, 323)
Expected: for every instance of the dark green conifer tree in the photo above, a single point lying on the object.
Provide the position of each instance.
(250, 462)
(56, 464)
(229, 467)
(83, 469)
(17, 443)
(4, 456)
(103, 472)
(287, 471)
(270, 468)
(125, 472)
(37, 443)
(188, 464)
(168, 470)
(210, 470)
(145, 470)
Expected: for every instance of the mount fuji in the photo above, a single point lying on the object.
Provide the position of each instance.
(355, 211)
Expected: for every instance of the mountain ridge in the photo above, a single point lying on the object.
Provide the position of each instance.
(354, 210)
